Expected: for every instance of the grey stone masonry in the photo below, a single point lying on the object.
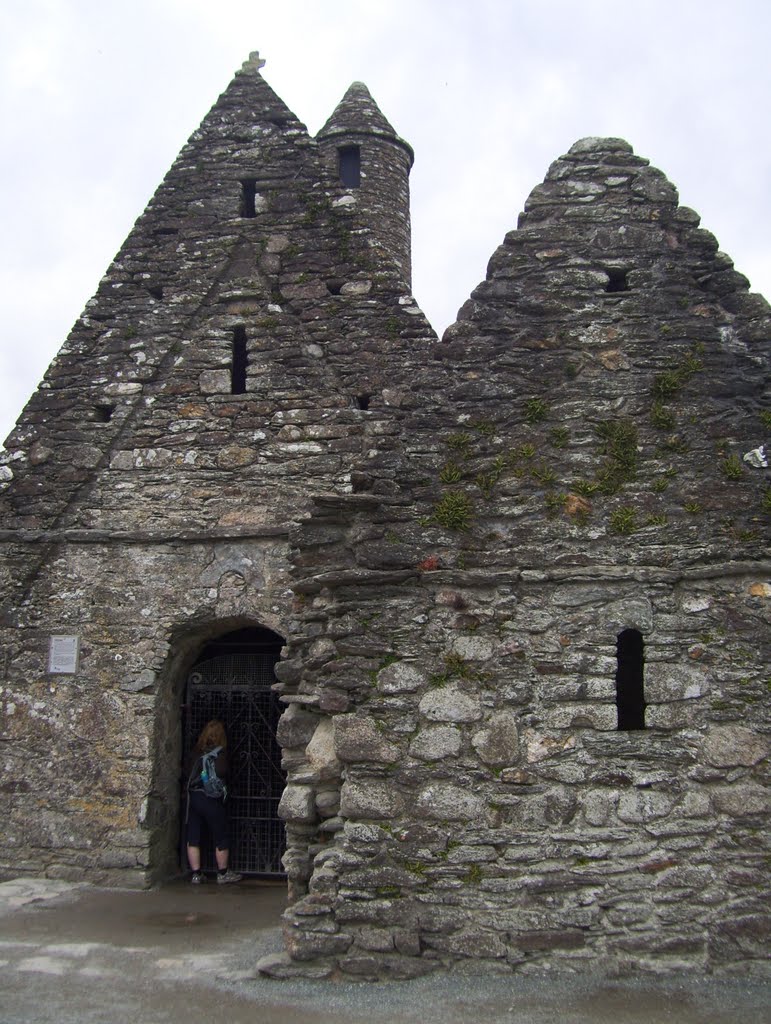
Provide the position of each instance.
(146, 501)
(576, 470)
(521, 574)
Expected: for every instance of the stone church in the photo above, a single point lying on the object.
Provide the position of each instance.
(486, 616)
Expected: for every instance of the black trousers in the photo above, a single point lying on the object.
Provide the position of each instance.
(206, 811)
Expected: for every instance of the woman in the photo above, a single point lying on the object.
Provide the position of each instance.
(203, 809)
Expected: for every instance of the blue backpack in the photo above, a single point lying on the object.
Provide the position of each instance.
(211, 783)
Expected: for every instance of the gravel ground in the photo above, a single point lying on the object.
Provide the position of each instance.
(77, 955)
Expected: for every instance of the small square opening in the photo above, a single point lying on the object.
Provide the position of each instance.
(617, 280)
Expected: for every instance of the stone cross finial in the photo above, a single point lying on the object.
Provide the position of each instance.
(255, 60)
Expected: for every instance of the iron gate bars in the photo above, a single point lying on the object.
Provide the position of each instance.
(236, 688)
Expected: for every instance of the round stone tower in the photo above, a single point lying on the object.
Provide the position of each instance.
(366, 160)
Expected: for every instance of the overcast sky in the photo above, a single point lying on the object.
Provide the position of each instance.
(98, 96)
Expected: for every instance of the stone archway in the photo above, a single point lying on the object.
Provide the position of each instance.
(231, 679)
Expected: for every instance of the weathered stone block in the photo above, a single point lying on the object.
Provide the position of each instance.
(328, 802)
(643, 805)
(498, 743)
(320, 751)
(400, 677)
(450, 704)
(357, 739)
(465, 854)
(732, 745)
(303, 945)
(628, 613)
(369, 799)
(397, 968)
(742, 800)
(540, 746)
(665, 682)
(376, 939)
(583, 716)
(214, 382)
(442, 800)
(673, 715)
(597, 807)
(695, 804)
(298, 805)
(473, 648)
(407, 942)
(745, 936)
(356, 288)
(550, 939)
(234, 456)
(296, 727)
(468, 943)
(436, 742)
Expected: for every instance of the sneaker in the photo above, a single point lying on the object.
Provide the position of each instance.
(224, 877)
(197, 878)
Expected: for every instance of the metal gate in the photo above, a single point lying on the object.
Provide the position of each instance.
(236, 688)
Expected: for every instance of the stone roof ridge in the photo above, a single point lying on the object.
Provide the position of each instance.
(601, 153)
(250, 98)
(599, 144)
(607, 224)
(594, 168)
(358, 114)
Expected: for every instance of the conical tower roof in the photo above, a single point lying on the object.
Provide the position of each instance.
(358, 114)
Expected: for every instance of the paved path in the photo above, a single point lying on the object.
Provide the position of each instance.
(79, 955)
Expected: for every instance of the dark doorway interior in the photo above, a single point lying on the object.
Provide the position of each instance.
(232, 680)
(630, 697)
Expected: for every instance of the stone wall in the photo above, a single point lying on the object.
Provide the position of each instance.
(452, 536)
(145, 506)
(459, 788)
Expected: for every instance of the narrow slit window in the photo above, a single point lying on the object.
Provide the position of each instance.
(630, 697)
(239, 362)
(349, 158)
(617, 280)
(248, 197)
(362, 401)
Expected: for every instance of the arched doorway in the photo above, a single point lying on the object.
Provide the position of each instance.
(232, 680)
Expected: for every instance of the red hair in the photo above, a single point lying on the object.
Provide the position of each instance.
(212, 735)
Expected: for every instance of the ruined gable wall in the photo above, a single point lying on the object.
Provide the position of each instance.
(146, 533)
(458, 787)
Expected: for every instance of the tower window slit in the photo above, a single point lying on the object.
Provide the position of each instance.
(349, 163)
(248, 197)
(239, 361)
(630, 697)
